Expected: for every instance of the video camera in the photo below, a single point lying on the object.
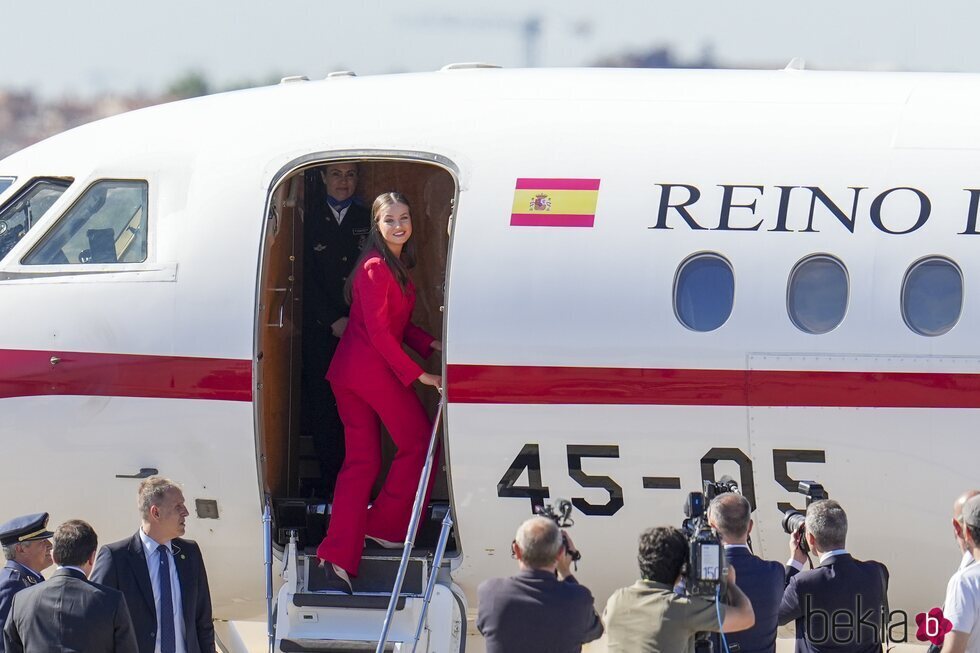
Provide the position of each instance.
(794, 520)
(560, 512)
(706, 555)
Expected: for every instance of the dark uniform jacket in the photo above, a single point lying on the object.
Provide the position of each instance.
(330, 252)
(763, 582)
(534, 612)
(839, 584)
(69, 613)
(14, 577)
(122, 566)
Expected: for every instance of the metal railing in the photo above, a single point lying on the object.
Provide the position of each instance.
(267, 528)
(447, 524)
(413, 525)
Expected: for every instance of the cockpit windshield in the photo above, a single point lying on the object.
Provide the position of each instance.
(5, 183)
(24, 210)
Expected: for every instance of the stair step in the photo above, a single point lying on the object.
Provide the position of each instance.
(375, 576)
(357, 601)
(330, 646)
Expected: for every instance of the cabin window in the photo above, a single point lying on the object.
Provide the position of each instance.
(932, 296)
(6, 182)
(106, 225)
(26, 209)
(704, 292)
(816, 298)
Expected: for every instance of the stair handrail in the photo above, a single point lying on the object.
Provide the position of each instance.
(447, 524)
(413, 525)
(267, 528)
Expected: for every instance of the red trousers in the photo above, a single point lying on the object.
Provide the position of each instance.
(388, 517)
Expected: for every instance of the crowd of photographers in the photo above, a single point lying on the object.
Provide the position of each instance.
(701, 588)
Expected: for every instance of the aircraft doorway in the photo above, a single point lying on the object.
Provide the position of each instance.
(291, 470)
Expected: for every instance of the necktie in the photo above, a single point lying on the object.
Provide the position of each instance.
(167, 637)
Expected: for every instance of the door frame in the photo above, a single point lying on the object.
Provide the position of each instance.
(285, 172)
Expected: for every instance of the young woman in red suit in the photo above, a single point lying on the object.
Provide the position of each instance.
(372, 377)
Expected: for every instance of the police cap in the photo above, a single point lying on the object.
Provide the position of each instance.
(25, 529)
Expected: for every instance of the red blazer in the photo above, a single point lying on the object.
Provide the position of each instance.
(379, 323)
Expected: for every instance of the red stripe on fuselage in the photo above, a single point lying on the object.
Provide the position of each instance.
(506, 384)
(26, 373)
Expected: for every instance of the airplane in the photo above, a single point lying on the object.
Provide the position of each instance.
(643, 279)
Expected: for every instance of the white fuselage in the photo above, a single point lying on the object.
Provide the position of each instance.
(559, 341)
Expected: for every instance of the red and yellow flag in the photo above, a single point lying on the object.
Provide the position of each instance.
(555, 203)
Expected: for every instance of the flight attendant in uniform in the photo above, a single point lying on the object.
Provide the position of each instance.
(26, 544)
(334, 232)
(372, 378)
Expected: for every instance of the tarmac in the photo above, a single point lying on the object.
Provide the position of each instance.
(253, 633)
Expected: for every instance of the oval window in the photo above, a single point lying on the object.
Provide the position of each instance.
(816, 298)
(704, 292)
(932, 296)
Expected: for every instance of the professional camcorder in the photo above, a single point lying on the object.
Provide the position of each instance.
(794, 520)
(706, 556)
(560, 512)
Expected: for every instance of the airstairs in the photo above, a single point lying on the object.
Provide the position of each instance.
(311, 619)
(404, 599)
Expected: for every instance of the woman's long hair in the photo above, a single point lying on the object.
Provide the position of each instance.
(374, 242)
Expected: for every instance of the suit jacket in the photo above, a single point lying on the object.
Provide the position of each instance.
(330, 251)
(14, 577)
(763, 582)
(69, 613)
(380, 321)
(122, 566)
(534, 612)
(839, 584)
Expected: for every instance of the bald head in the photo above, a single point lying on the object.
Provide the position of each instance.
(538, 542)
(731, 514)
(958, 517)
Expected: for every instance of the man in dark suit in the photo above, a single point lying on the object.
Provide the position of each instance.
(69, 613)
(841, 605)
(334, 228)
(761, 580)
(161, 575)
(542, 609)
(26, 545)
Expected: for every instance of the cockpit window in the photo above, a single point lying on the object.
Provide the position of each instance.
(106, 225)
(5, 183)
(24, 210)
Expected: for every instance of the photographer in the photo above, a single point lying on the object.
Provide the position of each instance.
(761, 580)
(650, 617)
(817, 599)
(542, 609)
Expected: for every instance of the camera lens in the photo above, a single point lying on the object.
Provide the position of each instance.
(792, 520)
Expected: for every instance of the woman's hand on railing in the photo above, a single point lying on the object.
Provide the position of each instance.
(431, 379)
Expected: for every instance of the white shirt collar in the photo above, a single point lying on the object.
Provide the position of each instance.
(831, 554)
(737, 546)
(338, 214)
(75, 568)
(150, 545)
(967, 559)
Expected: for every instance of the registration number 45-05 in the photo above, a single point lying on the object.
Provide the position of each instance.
(529, 460)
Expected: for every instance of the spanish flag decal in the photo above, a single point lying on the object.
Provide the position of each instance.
(555, 203)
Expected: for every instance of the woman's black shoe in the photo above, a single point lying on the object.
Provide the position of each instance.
(336, 579)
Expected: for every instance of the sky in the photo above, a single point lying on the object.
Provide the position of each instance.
(73, 47)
